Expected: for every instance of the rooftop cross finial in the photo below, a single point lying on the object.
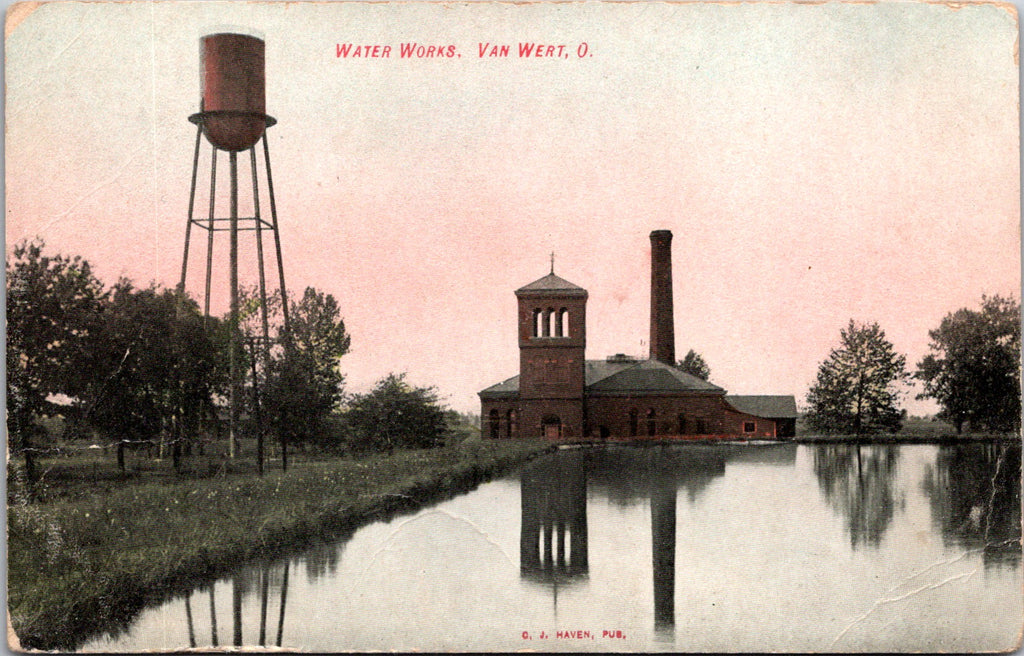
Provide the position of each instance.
(552, 261)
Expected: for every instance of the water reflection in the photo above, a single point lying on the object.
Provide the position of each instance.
(607, 537)
(663, 551)
(554, 502)
(553, 496)
(974, 492)
(322, 560)
(265, 578)
(627, 475)
(859, 482)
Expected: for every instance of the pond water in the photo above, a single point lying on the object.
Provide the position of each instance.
(676, 548)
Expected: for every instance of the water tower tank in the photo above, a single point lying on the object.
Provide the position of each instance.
(234, 95)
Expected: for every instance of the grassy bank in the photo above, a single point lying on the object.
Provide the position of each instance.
(904, 438)
(915, 430)
(77, 565)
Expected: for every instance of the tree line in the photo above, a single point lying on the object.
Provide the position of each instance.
(972, 371)
(134, 365)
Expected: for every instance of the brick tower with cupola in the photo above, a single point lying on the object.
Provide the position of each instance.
(562, 397)
(552, 340)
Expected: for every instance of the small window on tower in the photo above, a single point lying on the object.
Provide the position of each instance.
(749, 427)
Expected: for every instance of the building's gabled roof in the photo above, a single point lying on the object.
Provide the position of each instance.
(769, 407)
(616, 377)
(651, 377)
(551, 283)
(508, 387)
(598, 370)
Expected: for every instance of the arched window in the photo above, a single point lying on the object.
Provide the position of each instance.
(551, 427)
(510, 423)
(563, 319)
(551, 318)
(538, 318)
(634, 422)
(558, 325)
(682, 424)
(495, 424)
(652, 426)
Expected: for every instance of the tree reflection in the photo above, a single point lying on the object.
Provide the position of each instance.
(322, 560)
(858, 482)
(974, 492)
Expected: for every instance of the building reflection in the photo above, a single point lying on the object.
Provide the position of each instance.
(974, 493)
(553, 535)
(858, 482)
(554, 505)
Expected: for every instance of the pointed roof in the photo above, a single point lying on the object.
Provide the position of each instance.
(551, 283)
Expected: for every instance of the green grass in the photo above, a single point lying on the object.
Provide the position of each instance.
(85, 562)
(914, 429)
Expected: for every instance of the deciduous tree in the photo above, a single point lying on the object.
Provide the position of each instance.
(858, 386)
(304, 384)
(156, 367)
(54, 308)
(397, 414)
(695, 365)
(974, 368)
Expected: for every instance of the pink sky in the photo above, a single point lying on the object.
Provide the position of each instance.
(815, 163)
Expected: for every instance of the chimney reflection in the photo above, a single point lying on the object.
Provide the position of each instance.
(663, 553)
(554, 503)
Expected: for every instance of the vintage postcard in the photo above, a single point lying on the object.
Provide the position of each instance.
(498, 327)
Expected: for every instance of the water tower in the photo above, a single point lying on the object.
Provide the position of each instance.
(233, 117)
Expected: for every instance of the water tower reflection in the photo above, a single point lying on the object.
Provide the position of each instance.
(265, 579)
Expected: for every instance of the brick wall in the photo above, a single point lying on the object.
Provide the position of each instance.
(705, 414)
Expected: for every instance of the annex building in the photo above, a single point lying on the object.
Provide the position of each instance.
(560, 395)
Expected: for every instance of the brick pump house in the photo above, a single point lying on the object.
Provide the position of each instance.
(560, 395)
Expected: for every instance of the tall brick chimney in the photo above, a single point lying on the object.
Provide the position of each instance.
(663, 337)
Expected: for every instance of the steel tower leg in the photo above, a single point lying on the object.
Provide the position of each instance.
(236, 224)
(234, 396)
